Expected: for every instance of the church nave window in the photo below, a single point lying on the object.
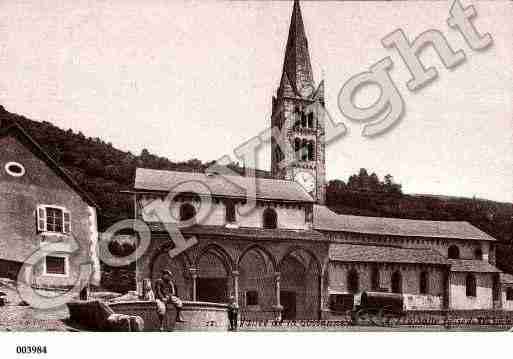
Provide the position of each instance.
(352, 281)
(270, 219)
(470, 285)
(424, 283)
(230, 212)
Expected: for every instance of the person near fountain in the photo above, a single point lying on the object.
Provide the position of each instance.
(165, 293)
(233, 313)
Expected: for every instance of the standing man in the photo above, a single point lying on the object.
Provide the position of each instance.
(165, 292)
(233, 313)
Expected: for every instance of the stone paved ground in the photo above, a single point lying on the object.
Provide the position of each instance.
(433, 328)
(16, 317)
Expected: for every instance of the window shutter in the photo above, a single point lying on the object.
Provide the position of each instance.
(41, 218)
(66, 222)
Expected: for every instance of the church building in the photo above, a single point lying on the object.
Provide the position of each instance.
(289, 256)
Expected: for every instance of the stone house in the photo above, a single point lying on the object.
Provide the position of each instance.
(41, 205)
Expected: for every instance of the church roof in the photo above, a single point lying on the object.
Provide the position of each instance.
(472, 265)
(297, 69)
(506, 278)
(244, 232)
(327, 220)
(220, 185)
(384, 254)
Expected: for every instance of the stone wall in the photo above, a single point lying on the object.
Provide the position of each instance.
(197, 315)
(410, 274)
(118, 279)
(483, 298)
(41, 185)
(289, 216)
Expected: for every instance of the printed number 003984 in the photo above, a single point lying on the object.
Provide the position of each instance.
(31, 349)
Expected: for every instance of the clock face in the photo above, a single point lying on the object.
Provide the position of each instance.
(306, 180)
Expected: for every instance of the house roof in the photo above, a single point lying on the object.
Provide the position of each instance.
(472, 265)
(16, 130)
(506, 278)
(327, 220)
(219, 185)
(384, 254)
(244, 232)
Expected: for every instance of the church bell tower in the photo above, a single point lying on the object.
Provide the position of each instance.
(298, 110)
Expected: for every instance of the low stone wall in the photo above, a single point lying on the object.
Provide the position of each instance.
(422, 302)
(273, 314)
(198, 316)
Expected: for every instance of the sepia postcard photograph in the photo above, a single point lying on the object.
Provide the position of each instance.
(239, 168)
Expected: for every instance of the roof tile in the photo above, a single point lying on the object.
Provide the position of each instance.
(384, 254)
(327, 220)
(220, 185)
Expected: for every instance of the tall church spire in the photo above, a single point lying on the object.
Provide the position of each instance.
(297, 70)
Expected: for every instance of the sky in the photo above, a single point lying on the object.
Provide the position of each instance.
(195, 79)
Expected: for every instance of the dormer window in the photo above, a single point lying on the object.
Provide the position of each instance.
(53, 219)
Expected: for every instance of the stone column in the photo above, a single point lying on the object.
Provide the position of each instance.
(235, 275)
(194, 276)
(278, 308)
(448, 290)
(277, 279)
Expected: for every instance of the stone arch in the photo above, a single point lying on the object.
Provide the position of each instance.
(257, 269)
(263, 250)
(214, 268)
(219, 251)
(300, 296)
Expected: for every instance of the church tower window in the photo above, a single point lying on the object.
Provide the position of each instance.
(311, 153)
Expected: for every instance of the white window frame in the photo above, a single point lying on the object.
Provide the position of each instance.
(45, 229)
(66, 265)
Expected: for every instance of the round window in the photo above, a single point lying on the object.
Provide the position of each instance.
(15, 169)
